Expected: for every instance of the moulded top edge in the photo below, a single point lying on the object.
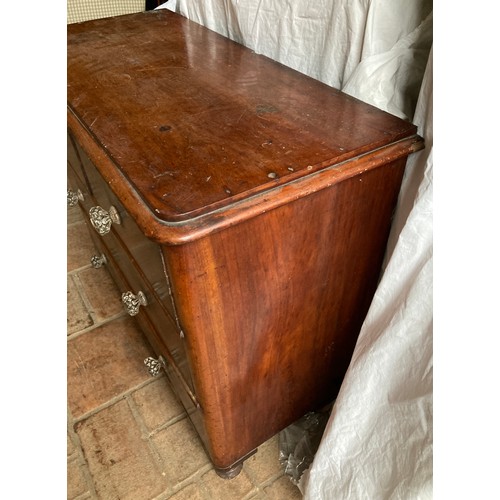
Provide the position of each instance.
(196, 123)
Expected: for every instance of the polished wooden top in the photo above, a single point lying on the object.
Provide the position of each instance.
(197, 123)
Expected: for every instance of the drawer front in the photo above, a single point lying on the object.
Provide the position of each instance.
(188, 402)
(77, 188)
(145, 253)
(73, 159)
(76, 183)
(155, 296)
(159, 328)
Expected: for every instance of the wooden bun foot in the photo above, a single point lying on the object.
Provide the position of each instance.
(230, 473)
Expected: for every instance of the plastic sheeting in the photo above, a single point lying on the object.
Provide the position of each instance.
(378, 440)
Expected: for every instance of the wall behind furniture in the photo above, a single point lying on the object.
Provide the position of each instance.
(84, 10)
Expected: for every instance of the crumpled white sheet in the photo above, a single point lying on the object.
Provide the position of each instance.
(391, 79)
(378, 441)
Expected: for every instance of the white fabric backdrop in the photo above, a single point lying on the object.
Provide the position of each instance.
(378, 442)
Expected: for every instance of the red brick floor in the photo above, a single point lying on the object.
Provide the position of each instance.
(128, 437)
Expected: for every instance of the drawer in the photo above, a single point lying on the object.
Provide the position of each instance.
(187, 400)
(160, 328)
(77, 188)
(145, 253)
(73, 159)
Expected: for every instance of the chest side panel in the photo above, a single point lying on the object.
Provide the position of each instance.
(271, 308)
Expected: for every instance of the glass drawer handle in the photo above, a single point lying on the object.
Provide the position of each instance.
(134, 302)
(154, 366)
(102, 219)
(98, 260)
(73, 197)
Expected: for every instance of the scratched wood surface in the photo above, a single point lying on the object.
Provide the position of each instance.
(196, 122)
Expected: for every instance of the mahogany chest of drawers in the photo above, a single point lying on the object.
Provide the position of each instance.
(242, 208)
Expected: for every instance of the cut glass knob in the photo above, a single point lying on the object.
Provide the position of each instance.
(134, 302)
(73, 197)
(102, 219)
(97, 261)
(153, 365)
